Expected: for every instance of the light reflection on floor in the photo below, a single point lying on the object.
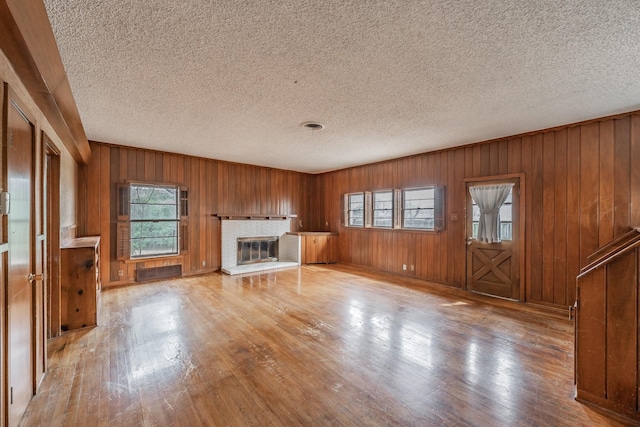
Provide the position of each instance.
(157, 327)
(377, 336)
(376, 347)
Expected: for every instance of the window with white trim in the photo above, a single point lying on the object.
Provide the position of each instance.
(418, 208)
(383, 209)
(410, 208)
(355, 209)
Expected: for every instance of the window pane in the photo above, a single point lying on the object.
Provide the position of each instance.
(419, 207)
(356, 210)
(383, 209)
(382, 200)
(506, 214)
(153, 202)
(154, 220)
(475, 220)
(148, 211)
(152, 238)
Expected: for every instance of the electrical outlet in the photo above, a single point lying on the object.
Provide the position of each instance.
(412, 267)
(404, 267)
(204, 263)
(120, 273)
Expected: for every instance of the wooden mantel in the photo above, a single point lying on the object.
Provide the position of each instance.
(249, 216)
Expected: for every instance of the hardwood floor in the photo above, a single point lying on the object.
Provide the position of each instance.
(316, 345)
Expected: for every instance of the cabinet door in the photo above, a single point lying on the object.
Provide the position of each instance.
(331, 249)
(309, 249)
(321, 249)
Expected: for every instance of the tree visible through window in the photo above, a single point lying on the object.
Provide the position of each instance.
(154, 220)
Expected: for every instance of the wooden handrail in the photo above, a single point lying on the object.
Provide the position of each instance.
(614, 242)
(607, 253)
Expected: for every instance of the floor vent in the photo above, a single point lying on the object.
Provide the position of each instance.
(154, 273)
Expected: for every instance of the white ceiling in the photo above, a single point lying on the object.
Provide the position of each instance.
(234, 80)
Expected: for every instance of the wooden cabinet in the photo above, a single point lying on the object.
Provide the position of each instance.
(80, 283)
(319, 247)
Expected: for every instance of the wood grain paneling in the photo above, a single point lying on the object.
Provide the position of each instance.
(560, 220)
(592, 335)
(607, 327)
(622, 203)
(581, 191)
(573, 211)
(214, 187)
(622, 334)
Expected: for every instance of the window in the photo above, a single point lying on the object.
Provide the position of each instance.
(151, 220)
(355, 209)
(418, 210)
(412, 208)
(506, 212)
(154, 219)
(383, 209)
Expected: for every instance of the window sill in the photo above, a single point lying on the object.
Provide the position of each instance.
(402, 230)
(153, 258)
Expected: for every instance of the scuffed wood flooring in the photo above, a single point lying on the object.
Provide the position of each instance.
(310, 346)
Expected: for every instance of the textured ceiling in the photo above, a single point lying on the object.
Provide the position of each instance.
(234, 80)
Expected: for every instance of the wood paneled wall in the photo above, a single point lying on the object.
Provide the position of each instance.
(214, 187)
(582, 187)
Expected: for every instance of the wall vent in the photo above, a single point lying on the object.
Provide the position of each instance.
(154, 273)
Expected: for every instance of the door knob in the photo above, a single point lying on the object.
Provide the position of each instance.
(34, 277)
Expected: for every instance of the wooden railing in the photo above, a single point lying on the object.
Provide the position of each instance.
(611, 250)
(607, 332)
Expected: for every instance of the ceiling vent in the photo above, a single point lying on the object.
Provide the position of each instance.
(313, 125)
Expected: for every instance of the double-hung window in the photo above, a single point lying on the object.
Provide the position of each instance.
(410, 208)
(418, 210)
(151, 220)
(155, 220)
(355, 209)
(383, 209)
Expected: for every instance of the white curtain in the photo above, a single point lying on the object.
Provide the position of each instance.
(489, 199)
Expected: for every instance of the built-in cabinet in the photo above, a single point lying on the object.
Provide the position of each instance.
(318, 247)
(80, 283)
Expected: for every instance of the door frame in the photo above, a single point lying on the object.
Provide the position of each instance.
(4, 256)
(521, 225)
(51, 206)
